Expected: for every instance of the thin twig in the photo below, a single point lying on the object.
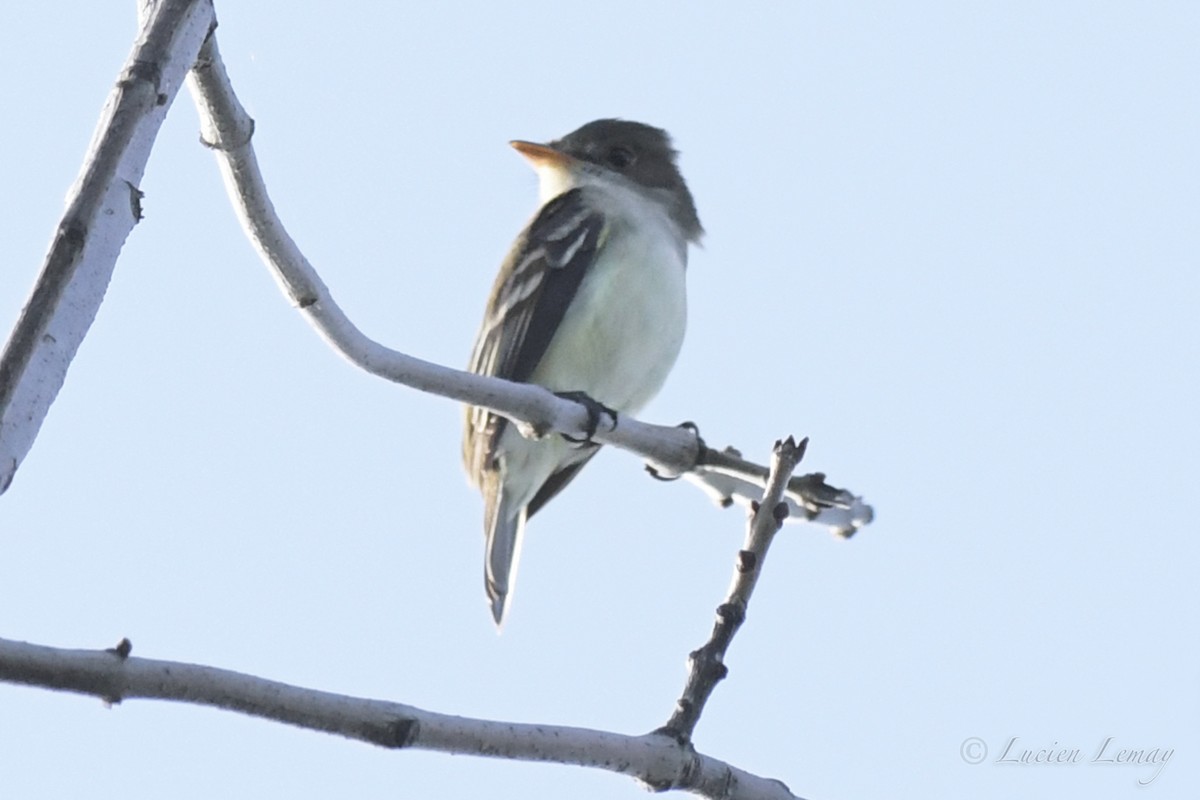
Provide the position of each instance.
(809, 497)
(707, 664)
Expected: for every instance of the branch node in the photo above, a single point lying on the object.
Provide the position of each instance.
(122, 650)
(142, 70)
(671, 732)
(135, 201)
(733, 613)
(402, 732)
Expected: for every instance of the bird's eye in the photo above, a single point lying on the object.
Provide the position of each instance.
(619, 157)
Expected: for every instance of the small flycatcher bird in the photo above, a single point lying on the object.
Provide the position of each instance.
(590, 300)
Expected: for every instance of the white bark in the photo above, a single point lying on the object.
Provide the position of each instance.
(655, 759)
(103, 205)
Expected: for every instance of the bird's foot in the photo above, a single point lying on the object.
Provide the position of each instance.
(594, 410)
(700, 448)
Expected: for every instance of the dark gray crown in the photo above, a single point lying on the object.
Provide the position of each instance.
(643, 154)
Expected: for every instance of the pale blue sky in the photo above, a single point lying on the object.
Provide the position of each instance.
(953, 243)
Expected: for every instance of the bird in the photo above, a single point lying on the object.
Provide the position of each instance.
(589, 303)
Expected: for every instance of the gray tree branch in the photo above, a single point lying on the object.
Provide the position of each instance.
(657, 760)
(706, 665)
(102, 207)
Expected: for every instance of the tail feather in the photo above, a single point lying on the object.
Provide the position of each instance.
(504, 529)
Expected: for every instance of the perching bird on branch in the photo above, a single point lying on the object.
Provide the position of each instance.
(590, 302)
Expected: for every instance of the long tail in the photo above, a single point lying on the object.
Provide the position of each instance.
(504, 528)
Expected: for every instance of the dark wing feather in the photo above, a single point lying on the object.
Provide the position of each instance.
(535, 286)
(557, 482)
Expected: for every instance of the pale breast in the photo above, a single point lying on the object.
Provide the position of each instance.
(625, 327)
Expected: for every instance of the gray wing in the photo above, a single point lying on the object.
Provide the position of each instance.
(536, 284)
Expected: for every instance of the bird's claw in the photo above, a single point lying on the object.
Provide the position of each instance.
(700, 449)
(594, 410)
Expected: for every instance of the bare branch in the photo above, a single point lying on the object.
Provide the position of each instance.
(102, 207)
(726, 477)
(671, 451)
(113, 676)
(707, 664)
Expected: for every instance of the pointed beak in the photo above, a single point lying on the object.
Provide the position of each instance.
(542, 155)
